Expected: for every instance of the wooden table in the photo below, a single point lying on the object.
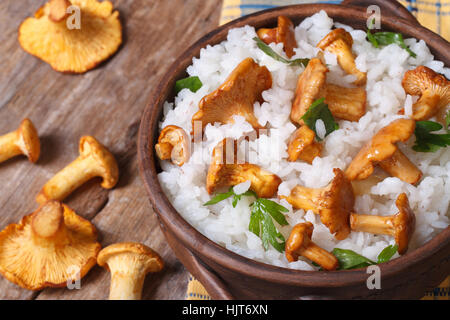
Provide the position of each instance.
(107, 103)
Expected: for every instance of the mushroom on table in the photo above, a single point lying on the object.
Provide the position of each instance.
(72, 44)
(174, 144)
(226, 170)
(334, 203)
(383, 151)
(94, 161)
(235, 96)
(48, 248)
(340, 42)
(128, 263)
(433, 90)
(283, 33)
(401, 225)
(24, 140)
(299, 244)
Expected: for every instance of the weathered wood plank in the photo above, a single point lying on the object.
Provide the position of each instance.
(107, 103)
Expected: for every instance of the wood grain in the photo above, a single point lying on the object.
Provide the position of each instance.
(106, 102)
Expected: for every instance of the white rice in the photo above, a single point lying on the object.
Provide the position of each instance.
(385, 67)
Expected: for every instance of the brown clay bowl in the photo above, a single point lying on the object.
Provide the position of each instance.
(227, 275)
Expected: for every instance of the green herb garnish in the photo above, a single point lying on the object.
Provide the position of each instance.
(262, 213)
(427, 141)
(191, 83)
(386, 38)
(349, 259)
(268, 50)
(447, 122)
(319, 110)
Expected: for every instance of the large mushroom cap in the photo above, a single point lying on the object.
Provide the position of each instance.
(48, 37)
(433, 89)
(134, 253)
(235, 96)
(381, 147)
(404, 223)
(47, 246)
(29, 140)
(107, 164)
(336, 204)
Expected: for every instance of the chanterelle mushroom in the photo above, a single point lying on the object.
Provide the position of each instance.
(128, 263)
(345, 103)
(24, 140)
(334, 203)
(284, 33)
(48, 248)
(75, 43)
(432, 88)
(94, 161)
(235, 96)
(225, 170)
(383, 151)
(174, 144)
(302, 145)
(401, 225)
(299, 244)
(340, 42)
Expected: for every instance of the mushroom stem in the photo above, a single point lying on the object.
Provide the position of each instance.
(70, 178)
(47, 225)
(372, 224)
(126, 284)
(303, 198)
(318, 255)
(401, 167)
(8, 146)
(58, 10)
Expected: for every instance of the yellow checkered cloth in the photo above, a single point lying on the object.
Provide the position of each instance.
(433, 14)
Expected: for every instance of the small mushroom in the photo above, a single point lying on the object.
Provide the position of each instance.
(299, 244)
(340, 42)
(225, 170)
(284, 33)
(401, 225)
(382, 150)
(75, 43)
(334, 203)
(94, 161)
(48, 248)
(128, 263)
(302, 145)
(433, 90)
(174, 144)
(24, 140)
(345, 103)
(235, 96)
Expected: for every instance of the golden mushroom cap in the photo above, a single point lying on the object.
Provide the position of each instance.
(29, 140)
(130, 252)
(89, 146)
(335, 35)
(73, 50)
(47, 247)
(404, 223)
(283, 33)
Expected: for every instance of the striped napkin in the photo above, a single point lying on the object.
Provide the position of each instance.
(433, 14)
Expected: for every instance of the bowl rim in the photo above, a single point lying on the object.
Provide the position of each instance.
(193, 239)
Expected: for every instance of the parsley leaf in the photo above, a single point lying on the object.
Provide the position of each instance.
(268, 50)
(191, 83)
(349, 259)
(262, 213)
(427, 141)
(386, 38)
(319, 110)
(387, 253)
